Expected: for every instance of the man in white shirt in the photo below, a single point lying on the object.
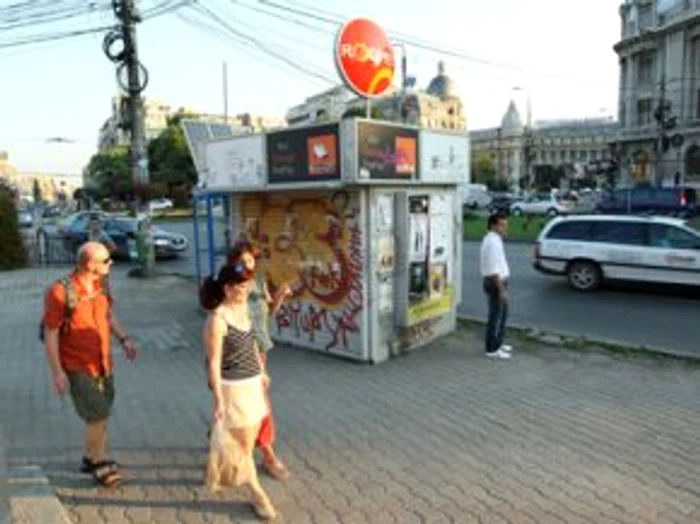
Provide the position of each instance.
(495, 272)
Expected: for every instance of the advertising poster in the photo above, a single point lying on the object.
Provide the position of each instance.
(303, 155)
(238, 162)
(445, 157)
(440, 238)
(386, 151)
(418, 248)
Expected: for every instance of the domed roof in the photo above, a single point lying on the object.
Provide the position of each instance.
(511, 123)
(442, 86)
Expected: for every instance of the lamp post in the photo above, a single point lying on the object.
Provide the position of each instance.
(528, 153)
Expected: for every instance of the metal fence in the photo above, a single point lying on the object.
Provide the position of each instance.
(46, 250)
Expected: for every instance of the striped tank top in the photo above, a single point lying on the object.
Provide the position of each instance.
(239, 359)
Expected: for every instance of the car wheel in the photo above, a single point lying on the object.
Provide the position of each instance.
(584, 275)
(517, 212)
(552, 212)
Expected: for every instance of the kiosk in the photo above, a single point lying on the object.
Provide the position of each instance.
(363, 218)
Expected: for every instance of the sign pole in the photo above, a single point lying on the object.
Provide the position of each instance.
(368, 107)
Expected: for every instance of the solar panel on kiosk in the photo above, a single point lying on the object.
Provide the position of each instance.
(196, 131)
(220, 130)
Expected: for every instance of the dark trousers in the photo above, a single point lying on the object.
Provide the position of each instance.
(498, 314)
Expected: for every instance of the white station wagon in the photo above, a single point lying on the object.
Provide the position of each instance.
(590, 249)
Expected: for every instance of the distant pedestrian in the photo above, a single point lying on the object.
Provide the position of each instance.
(495, 273)
(97, 233)
(262, 306)
(237, 380)
(78, 349)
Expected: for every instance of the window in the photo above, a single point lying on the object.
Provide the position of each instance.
(671, 237)
(644, 111)
(645, 71)
(577, 230)
(626, 233)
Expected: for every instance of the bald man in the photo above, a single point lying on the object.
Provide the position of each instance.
(78, 349)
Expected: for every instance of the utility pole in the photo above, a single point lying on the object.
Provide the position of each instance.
(136, 81)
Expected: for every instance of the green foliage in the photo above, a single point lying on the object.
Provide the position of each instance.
(12, 252)
(170, 160)
(361, 112)
(109, 173)
(170, 164)
(483, 169)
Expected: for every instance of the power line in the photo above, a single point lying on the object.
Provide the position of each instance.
(249, 40)
(399, 37)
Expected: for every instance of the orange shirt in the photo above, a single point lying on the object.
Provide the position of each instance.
(85, 343)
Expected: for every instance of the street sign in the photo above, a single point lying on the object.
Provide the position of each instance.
(364, 57)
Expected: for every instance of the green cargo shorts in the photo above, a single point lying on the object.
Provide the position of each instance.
(92, 397)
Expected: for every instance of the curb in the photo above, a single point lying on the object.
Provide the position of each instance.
(26, 497)
(577, 341)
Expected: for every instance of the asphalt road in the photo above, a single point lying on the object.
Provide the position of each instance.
(652, 316)
(657, 317)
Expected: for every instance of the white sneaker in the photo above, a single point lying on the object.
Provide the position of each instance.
(499, 354)
(507, 348)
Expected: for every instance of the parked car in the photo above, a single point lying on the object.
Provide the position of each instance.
(542, 204)
(25, 219)
(675, 201)
(122, 231)
(476, 196)
(502, 202)
(160, 204)
(589, 249)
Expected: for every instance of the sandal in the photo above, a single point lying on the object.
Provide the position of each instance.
(276, 470)
(263, 508)
(106, 473)
(86, 466)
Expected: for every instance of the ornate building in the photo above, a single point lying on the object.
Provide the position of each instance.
(156, 116)
(577, 145)
(437, 107)
(659, 95)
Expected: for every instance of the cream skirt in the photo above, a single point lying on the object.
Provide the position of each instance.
(244, 402)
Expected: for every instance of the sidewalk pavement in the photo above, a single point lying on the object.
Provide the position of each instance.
(440, 435)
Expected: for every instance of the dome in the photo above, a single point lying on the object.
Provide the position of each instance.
(442, 86)
(511, 123)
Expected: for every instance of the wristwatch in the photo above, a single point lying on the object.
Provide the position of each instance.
(124, 339)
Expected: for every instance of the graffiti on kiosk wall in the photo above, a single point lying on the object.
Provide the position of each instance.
(313, 243)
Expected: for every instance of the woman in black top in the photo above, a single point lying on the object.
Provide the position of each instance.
(235, 373)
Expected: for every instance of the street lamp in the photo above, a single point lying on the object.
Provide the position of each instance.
(528, 153)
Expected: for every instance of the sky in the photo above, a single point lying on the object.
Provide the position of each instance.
(557, 52)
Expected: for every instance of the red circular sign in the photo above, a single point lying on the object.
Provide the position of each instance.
(364, 57)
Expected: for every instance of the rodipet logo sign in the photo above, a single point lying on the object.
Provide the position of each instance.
(364, 57)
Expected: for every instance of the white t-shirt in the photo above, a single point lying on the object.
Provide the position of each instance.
(493, 256)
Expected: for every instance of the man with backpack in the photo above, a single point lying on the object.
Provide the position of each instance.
(78, 324)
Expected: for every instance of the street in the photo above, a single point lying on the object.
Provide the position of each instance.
(632, 315)
(441, 435)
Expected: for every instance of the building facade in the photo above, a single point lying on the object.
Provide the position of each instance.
(578, 146)
(659, 93)
(439, 106)
(51, 186)
(156, 115)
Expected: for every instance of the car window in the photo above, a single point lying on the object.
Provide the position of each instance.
(672, 237)
(626, 233)
(575, 230)
(80, 223)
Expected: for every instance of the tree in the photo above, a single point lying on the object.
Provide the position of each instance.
(12, 252)
(483, 169)
(361, 112)
(171, 164)
(110, 173)
(36, 192)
